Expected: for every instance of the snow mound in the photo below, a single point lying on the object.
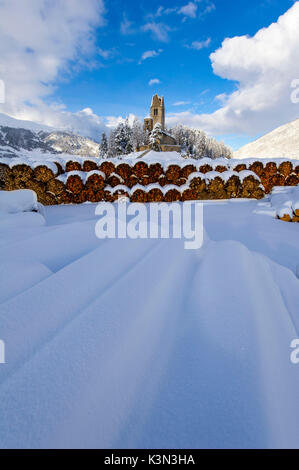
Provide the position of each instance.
(22, 200)
(285, 201)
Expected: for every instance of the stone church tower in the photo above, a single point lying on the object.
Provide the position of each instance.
(166, 142)
(157, 114)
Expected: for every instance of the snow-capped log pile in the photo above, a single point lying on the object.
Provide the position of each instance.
(141, 181)
(81, 180)
(285, 201)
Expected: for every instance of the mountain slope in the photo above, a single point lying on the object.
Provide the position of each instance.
(283, 142)
(17, 136)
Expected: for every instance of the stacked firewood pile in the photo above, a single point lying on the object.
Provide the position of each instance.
(91, 181)
(271, 174)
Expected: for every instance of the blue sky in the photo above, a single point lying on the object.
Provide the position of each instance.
(121, 85)
(115, 48)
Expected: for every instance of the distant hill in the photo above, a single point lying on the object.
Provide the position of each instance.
(283, 142)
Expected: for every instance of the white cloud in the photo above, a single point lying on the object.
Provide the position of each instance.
(108, 53)
(159, 30)
(264, 66)
(113, 121)
(181, 103)
(208, 8)
(126, 26)
(188, 10)
(40, 41)
(154, 81)
(150, 54)
(198, 45)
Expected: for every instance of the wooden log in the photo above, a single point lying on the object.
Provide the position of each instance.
(145, 181)
(240, 167)
(266, 182)
(37, 186)
(140, 169)
(124, 171)
(66, 197)
(75, 184)
(173, 195)
(43, 173)
(89, 165)
(80, 198)
(72, 166)
(155, 195)
(271, 168)
(251, 183)
(233, 187)
(155, 170)
(108, 196)
(94, 195)
(187, 170)
(162, 181)
(181, 182)
(285, 168)
(21, 174)
(5, 171)
(107, 168)
(292, 180)
(205, 169)
(189, 195)
(139, 196)
(95, 182)
(198, 184)
(47, 199)
(114, 180)
(257, 168)
(277, 180)
(286, 218)
(173, 173)
(216, 185)
(221, 168)
(133, 180)
(55, 187)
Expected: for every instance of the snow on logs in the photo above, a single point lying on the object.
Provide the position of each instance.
(285, 201)
(80, 180)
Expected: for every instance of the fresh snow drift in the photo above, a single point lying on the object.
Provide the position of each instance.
(21, 200)
(142, 344)
(283, 142)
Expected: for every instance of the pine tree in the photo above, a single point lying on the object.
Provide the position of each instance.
(111, 145)
(156, 137)
(137, 135)
(129, 148)
(104, 146)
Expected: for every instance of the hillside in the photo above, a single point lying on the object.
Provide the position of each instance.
(283, 142)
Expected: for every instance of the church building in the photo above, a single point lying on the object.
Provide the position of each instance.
(166, 143)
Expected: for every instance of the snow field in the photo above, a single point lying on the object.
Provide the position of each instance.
(140, 343)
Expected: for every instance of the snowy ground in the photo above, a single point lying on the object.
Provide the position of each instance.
(140, 343)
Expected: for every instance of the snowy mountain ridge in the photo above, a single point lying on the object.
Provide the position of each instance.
(17, 136)
(282, 142)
